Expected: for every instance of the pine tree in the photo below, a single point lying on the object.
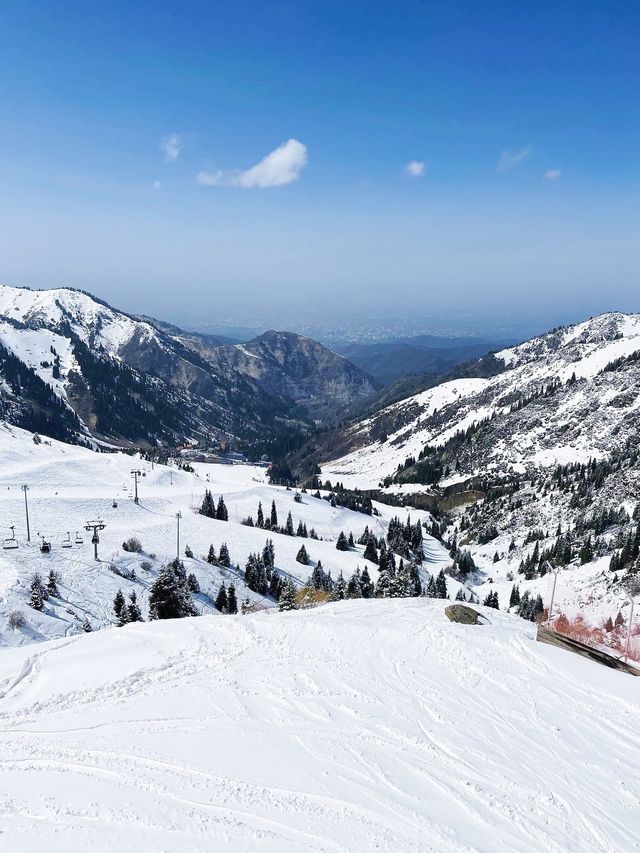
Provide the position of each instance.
(354, 587)
(341, 588)
(133, 609)
(192, 582)
(119, 605)
(287, 596)
(269, 554)
(232, 601)
(274, 516)
(208, 507)
(37, 592)
(221, 510)
(224, 559)
(52, 584)
(169, 596)
(211, 556)
(288, 528)
(432, 592)
(366, 584)
(460, 596)
(441, 585)
(370, 552)
(188, 552)
(260, 516)
(303, 556)
(222, 599)
(342, 543)
(514, 598)
(350, 542)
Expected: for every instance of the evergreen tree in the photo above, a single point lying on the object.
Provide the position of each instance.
(342, 543)
(341, 588)
(366, 584)
(37, 592)
(269, 554)
(232, 601)
(52, 584)
(287, 599)
(133, 609)
(211, 556)
(303, 556)
(370, 552)
(208, 507)
(188, 552)
(432, 592)
(354, 587)
(222, 599)
(224, 559)
(350, 542)
(260, 517)
(514, 598)
(274, 516)
(169, 596)
(119, 606)
(460, 596)
(288, 528)
(192, 582)
(221, 510)
(441, 585)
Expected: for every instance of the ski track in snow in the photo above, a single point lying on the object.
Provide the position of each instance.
(358, 726)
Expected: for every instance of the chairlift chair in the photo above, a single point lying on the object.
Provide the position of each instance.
(10, 544)
(67, 543)
(45, 548)
(78, 538)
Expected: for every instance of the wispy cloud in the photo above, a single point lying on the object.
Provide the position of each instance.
(156, 185)
(415, 169)
(281, 166)
(172, 146)
(510, 160)
(552, 174)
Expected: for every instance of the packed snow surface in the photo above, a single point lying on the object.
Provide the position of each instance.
(362, 725)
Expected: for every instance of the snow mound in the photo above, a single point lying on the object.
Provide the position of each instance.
(358, 726)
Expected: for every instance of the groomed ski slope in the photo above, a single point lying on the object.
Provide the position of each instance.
(358, 726)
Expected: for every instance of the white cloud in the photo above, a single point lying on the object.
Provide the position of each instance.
(172, 146)
(280, 167)
(156, 185)
(510, 160)
(552, 174)
(415, 169)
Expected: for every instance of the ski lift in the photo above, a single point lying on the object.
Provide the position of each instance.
(10, 544)
(45, 548)
(144, 473)
(114, 504)
(78, 538)
(67, 543)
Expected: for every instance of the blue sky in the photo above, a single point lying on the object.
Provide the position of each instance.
(132, 136)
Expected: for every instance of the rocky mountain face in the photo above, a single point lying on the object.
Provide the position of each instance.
(73, 367)
(295, 367)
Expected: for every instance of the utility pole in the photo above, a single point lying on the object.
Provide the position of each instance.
(95, 526)
(178, 517)
(135, 475)
(25, 489)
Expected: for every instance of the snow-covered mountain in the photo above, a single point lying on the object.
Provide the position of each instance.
(72, 365)
(570, 395)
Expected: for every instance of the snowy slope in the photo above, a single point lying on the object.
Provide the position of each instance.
(69, 486)
(363, 725)
(592, 411)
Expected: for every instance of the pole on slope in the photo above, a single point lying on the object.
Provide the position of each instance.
(553, 592)
(25, 489)
(135, 474)
(178, 517)
(95, 526)
(626, 651)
